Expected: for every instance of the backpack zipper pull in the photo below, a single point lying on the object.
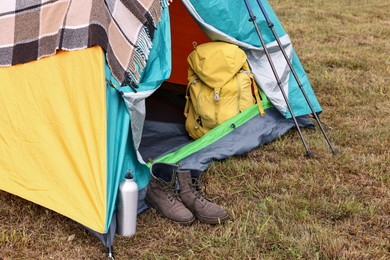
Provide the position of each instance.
(216, 94)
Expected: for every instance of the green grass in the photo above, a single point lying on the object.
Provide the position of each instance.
(282, 205)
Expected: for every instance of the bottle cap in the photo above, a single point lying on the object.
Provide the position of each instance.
(129, 175)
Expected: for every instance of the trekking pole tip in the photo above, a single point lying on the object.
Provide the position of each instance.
(308, 154)
(110, 253)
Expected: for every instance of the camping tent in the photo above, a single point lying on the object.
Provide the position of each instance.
(74, 122)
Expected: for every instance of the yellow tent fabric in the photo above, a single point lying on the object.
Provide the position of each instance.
(53, 134)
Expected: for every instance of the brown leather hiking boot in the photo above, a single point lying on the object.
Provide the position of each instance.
(195, 200)
(161, 194)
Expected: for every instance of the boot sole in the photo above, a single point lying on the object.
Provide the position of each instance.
(212, 221)
(150, 204)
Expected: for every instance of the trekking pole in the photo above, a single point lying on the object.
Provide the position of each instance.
(253, 19)
(271, 26)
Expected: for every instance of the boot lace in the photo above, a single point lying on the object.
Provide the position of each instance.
(197, 190)
(170, 191)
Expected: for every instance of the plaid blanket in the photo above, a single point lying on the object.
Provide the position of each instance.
(30, 30)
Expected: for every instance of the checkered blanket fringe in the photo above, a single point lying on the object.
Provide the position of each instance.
(30, 30)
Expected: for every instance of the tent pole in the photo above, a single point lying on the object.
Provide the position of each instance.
(253, 19)
(271, 26)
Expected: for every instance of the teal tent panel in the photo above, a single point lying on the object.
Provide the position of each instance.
(299, 104)
(232, 18)
(120, 149)
(118, 121)
(121, 152)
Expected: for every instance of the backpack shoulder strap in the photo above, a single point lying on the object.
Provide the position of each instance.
(255, 89)
(257, 96)
(191, 81)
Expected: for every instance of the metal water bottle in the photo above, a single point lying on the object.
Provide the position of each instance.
(127, 206)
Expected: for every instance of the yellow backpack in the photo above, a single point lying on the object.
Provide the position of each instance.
(220, 85)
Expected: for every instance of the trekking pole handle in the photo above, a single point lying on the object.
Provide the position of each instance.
(270, 24)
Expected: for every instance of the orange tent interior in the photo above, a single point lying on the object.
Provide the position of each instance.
(184, 31)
